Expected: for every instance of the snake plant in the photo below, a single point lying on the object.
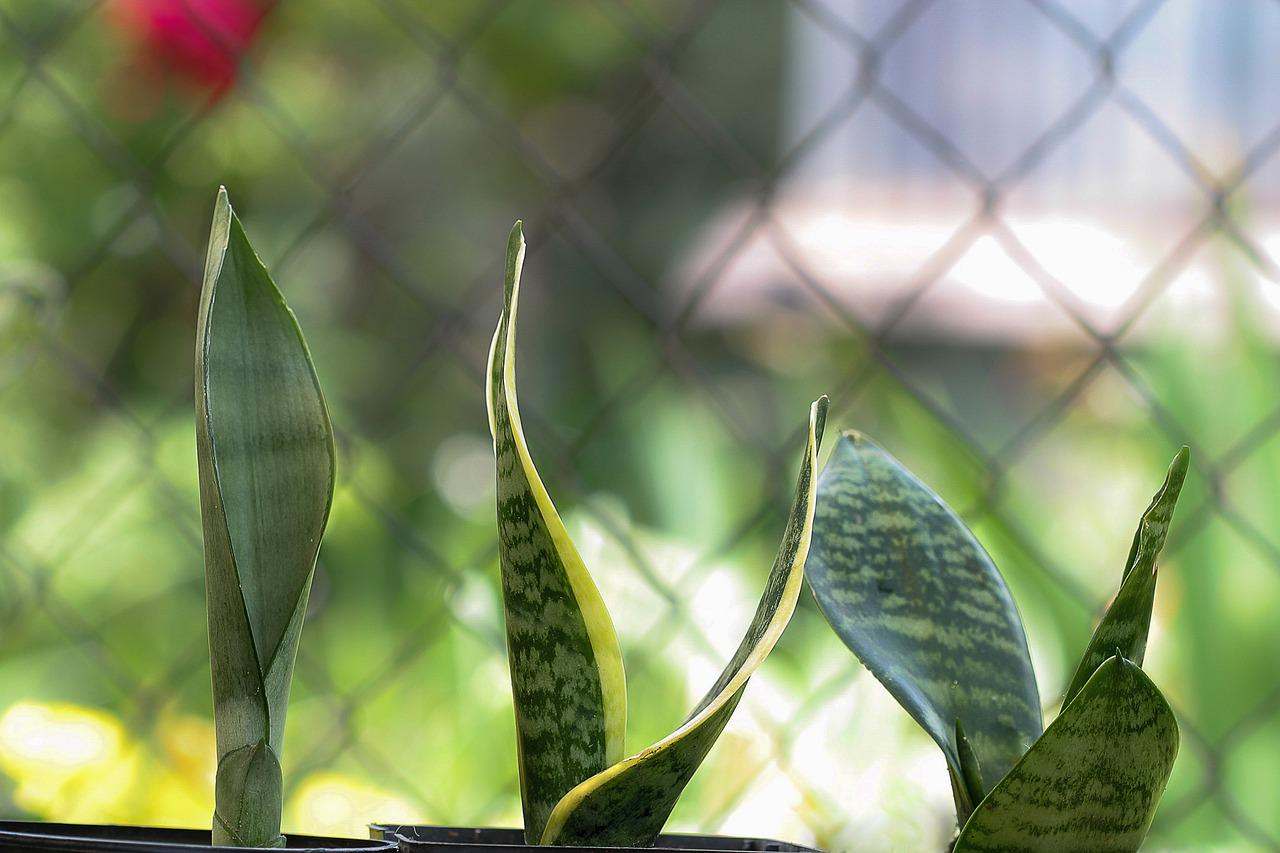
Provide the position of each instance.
(578, 785)
(266, 469)
(908, 588)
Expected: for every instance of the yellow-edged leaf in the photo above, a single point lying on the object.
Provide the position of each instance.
(567, 679)
(627, 804)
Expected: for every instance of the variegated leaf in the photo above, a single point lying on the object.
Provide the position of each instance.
(1092, 781)
(566, 667)
(1125, 625)
(266, 464)
(627, 804)
(913, 594)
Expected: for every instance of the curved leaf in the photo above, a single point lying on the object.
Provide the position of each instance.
(1092, 781)
(566, 668)
(266, 462)
(627, 804)
(1125, 625)
(910, 591)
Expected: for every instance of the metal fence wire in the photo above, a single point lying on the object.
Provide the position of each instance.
(378, 151)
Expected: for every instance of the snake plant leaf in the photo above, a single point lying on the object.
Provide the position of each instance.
(627, 804)
(566, 666)
(1092, 781)
(266, 464)
(910, 591)
(1125, 625)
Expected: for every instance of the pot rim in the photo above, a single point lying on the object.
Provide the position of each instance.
(74, 837)
(499, 839)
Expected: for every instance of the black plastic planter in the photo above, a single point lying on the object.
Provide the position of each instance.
(22, 836)
(456, 839)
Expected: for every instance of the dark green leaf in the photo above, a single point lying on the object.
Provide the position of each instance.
(1125, 625)
(566, 668)
(910, 591)
(265, 453)
(627, 804)
(1092, 781)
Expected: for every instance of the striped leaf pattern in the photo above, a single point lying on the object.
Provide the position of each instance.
(913, 594)
(566, 667)
(266, 465)
(627, 804)
(1125, 625)
(1092, 781)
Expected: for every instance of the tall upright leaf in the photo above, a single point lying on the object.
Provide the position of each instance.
(1092, 781)
(627, 804)
(566, 667)
(1125, 625)
(910, 591)
(266, 465)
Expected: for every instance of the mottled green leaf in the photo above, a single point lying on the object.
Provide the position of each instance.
(627, 804)
(1092, 781)
(910, 591)
(566, 668)
(266, 462)
(1125, 625)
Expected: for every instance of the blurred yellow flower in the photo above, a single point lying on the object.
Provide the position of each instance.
(76, 764)
(334, 804)
(69, 762)
(178, 789)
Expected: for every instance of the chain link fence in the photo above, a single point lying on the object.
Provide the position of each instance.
(682, 311)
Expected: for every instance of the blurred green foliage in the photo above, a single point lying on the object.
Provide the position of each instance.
(378, 154)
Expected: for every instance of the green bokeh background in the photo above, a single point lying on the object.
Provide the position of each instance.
(377, 153)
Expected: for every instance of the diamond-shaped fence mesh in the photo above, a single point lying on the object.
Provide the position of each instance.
(1029, 246)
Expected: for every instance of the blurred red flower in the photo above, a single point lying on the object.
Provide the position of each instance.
(200, 42)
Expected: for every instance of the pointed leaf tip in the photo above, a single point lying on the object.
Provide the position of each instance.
(215, 253)
(1181, 462)
(820, 408)
(1124, 627)
(857, 437)
(515, 261)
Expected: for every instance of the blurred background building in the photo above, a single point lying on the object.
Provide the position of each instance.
(1029, 246)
